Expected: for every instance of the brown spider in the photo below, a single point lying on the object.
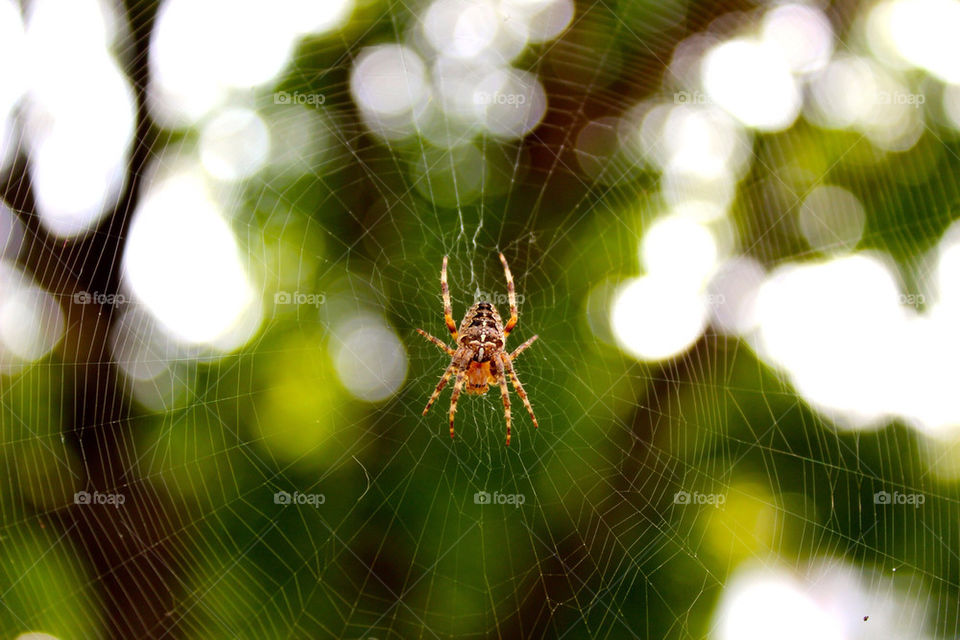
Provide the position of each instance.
(480, 358)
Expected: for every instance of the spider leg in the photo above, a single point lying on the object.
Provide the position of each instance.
(511, 296)
(437, 341)
(457, 386)
(505, 393)
(521, 348)
(440, 386)
(447, 309)
(520, 392)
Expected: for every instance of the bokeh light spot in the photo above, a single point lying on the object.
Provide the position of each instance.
(752, 80)
(370, 360)
(182, 261)
(234, 144)
(654, 319)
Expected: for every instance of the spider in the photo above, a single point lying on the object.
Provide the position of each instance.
(480, 358)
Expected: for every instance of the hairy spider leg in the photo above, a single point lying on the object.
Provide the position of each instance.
(447, 309)
(522, 347)
(457, 386)
(520, 392)
(512, 297)
(505, 394)
(440, 386)
(438, 342)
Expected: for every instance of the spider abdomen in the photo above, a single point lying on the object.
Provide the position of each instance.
(482, 332)
(479, 377)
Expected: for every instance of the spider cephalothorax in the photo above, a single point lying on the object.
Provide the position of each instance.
(480, 359)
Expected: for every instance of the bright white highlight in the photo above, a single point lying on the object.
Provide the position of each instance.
(85, 28)
(202, 50)
(934, 348)
(389, 80)
(491, 30)
(858, 93)
(80, 115)
(703, 141)
(844, 93)
(31, 322)
(802, 34)
(661, 314)
(858, 348)
(834, 326)
(700, 149)
(924, 33)
(774, 606)
(654, 319)
(182, 262)
(461, 28)
(389, 83)
(680, 248)
(752, 80)
(234, 144)
(370, 360)
(12, 47)
(827, 601)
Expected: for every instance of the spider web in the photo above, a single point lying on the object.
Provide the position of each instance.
(400, 546)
